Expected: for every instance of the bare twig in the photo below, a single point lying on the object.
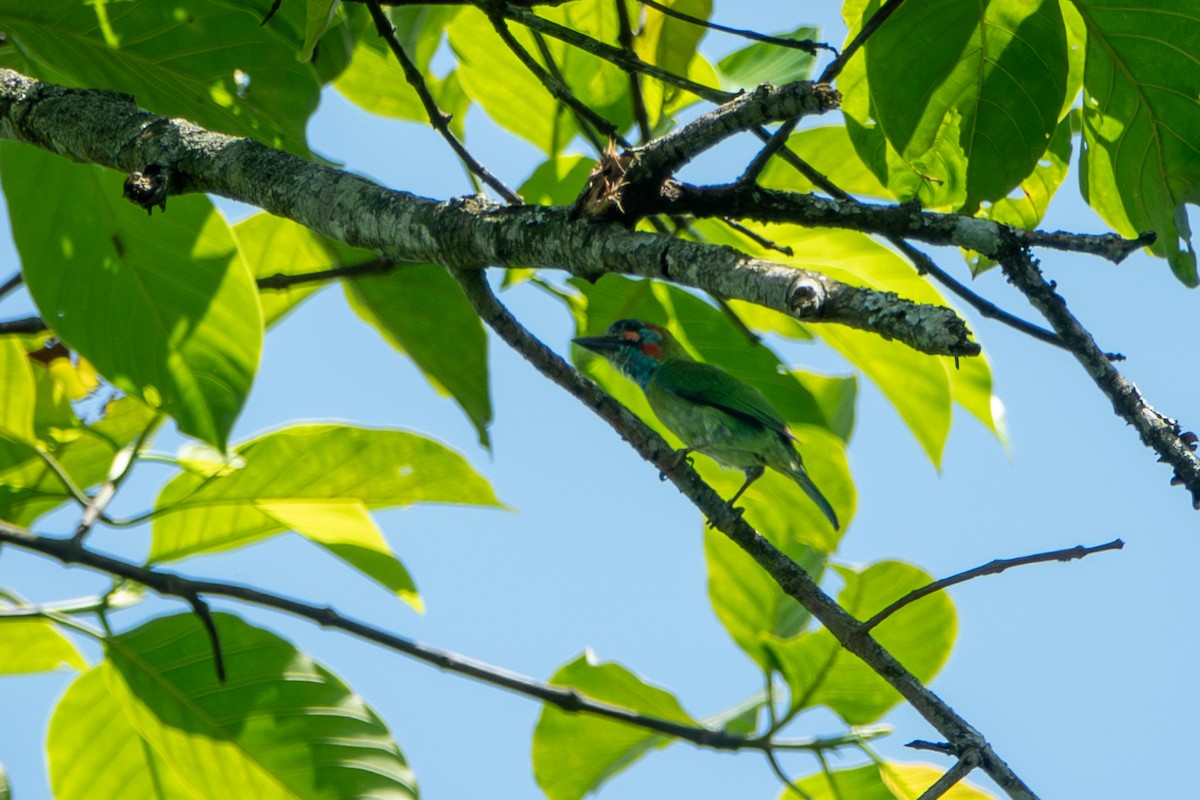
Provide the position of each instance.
(878, 18)
(791, 786)
(792, 579)
(24, 325)
(378, 266)
(1157, 431)
(199, 606)
(759, 162)
(122, 465)
(11, 284)
(437, 118)
(636, 100)
(991, 568)
(967, 762)
(807, 45)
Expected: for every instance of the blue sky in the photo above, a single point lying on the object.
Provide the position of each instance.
(1081, 675)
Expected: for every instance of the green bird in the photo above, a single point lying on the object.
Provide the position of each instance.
(710, 410)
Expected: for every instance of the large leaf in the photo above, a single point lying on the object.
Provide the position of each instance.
(422, 312)
(997, 71)
(29, 488)
(280, 725)
(820, 672)
(95, 753)
(1141, 121)
(35, 645)
(210, 62)
(318, 480)
(163, 306)
(573, 754)
(670, 43)
(886, 780)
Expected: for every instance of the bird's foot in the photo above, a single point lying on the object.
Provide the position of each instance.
(680, 457)
(737, 511)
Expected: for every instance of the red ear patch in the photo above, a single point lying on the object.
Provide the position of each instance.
(631, 336)
(653, 350)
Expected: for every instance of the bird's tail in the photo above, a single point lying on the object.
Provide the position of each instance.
(797, 473)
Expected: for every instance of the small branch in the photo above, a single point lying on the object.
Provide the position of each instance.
(759, 162)
(807, 45)
(25, 325)
(378, 266)
(636, 100)
(994, 567)
(951, 777)
(629, 62)
(171, 584)
(122, 465)
(792, 579)
(877, 19)
(78, 495)
(1158, 432)
(758, 238)
(788, 783)
(202, 612)
(11, 284)
(936, 747)
(437, 118)
(557, 87)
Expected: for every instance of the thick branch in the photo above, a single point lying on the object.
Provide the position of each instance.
(106, 128)
(794, 581)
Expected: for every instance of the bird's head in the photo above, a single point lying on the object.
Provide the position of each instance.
(636, 348)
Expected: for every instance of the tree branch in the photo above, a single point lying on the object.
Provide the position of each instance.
(1158, 432)
(993, 567)
(806, 45)
(192, 591)
(951, 777)
(437, 118)
(106, 128)
(794, 581)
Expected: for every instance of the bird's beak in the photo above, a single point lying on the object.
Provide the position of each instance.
(602, 345)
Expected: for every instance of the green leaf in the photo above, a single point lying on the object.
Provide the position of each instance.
(95, 753)
(346, 529)
(748, 601)
(998, 70)
(5, 789)
(1141, 121)
(28, 488)
(671, 43)
(819, 672)
(886, 780)
(1026, 205)
(557, 181)
(493, 77)
(281, 725)
(376, 82)
(761, 63)
(35, 645)
(574, 754)
(210, 61)
(163, 306)
(20, 392)
(830, 151)
(423, 313)
(272, 246)
(307, 467)
(318, 18)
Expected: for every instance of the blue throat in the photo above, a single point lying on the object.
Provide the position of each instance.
(635, 365)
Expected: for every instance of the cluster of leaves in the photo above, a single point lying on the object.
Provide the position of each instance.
(167, 311)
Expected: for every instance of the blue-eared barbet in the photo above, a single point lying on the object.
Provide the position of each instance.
(713, 412)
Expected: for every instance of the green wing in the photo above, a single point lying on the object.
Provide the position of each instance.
(707, 385)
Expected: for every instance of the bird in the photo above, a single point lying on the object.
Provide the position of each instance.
(711, 411)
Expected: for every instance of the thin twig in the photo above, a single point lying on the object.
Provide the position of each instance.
(636, 99)
(834, 789)
(595, 128)
(77, 494)
(791, 786)
(24, 325)
(122, 465)
(757, 237)
(759, 162)
(967, 762)
(807, 45)
(629, 62)
(199, 606)
(437, 118)
(878, 18)
(993, 567)
(173, 585)
(12, 283)
(377, 266)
